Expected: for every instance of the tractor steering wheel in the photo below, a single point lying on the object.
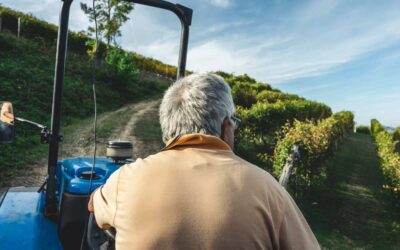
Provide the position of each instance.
(99, 239)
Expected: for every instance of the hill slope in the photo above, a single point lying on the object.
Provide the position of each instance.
(26, 79)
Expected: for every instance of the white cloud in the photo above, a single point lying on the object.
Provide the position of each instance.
(301, 48)
(216, 29)
(221, 3)
(315, 10)
(307, 45)
(214, 55)
(147, 33)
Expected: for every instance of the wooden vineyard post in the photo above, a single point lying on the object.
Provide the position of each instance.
(1, 21)
(19, 27)
(286, 172)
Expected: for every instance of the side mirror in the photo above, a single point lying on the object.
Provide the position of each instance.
(6, 122)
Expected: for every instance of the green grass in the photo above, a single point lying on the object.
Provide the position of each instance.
(148, 129)
(351, 211)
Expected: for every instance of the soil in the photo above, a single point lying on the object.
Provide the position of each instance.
(118, 124)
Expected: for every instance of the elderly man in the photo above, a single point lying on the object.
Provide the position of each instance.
(196, 193)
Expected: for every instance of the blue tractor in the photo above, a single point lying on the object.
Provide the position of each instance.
(55, 216)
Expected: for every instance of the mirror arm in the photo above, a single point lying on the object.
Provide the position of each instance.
(30, 122)
(45, 134)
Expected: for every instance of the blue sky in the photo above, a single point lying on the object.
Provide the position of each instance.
(343, 53)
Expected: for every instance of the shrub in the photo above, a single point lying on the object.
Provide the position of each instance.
(265, 119)
(346, 119)
(122, 62)
(233, 79)
(262, 122)
(244, 88)
(396, 134)
(363, 130)
(274, 96)
(317, 142)
(243, 94)
(390, 163)
(376, 127)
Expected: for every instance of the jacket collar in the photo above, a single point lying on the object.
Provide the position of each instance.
(198, 140)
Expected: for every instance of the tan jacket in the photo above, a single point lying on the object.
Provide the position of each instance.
(198, 194)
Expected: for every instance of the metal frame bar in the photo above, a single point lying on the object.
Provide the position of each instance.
(51, 205)
(185, 16)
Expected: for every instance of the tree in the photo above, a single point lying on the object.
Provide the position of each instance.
(396, 134)
(110, 15)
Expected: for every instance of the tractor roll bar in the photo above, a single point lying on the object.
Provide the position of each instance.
(51, 205)
(185, 16)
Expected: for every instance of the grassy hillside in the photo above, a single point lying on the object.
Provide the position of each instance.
(26, 79)
(40, 30)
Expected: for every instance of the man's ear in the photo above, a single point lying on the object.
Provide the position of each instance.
(227, 134)
(224, 127)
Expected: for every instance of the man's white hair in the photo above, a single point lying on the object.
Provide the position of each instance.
(196, 104)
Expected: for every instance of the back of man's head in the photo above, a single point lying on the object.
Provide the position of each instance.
(196, 104)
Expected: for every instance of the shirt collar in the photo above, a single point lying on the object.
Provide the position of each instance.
(199, 140)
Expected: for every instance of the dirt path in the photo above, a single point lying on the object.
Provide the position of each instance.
(141, 148)
(352, 212)
(118, 124)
